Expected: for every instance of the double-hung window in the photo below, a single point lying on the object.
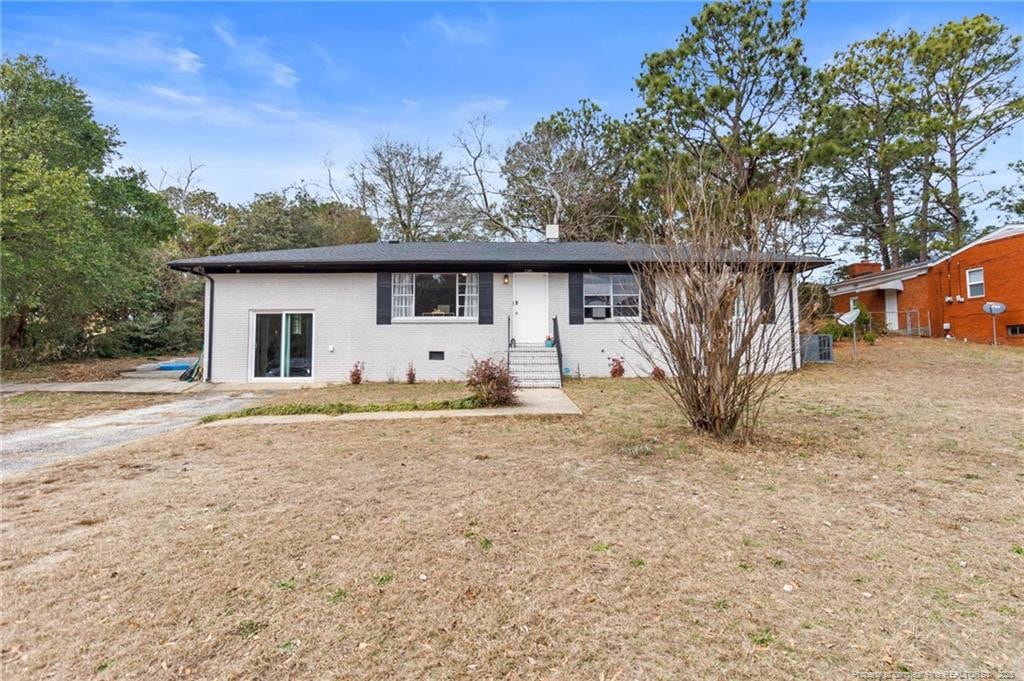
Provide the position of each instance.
(609, 296)
(283, 345)
(976, 283)
(435, 296)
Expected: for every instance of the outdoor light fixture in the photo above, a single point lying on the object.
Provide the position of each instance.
(504, 279)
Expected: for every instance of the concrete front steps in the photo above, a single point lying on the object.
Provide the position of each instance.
(535, 366)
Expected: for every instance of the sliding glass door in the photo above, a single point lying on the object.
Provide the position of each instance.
(283, 345)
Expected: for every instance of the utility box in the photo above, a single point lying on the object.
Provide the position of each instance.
(817, 348)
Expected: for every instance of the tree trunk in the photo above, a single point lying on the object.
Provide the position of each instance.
(15, 338)
(923, 219)
(955, 211)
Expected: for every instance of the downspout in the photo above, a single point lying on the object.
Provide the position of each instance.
(792, 321)
(209, 328)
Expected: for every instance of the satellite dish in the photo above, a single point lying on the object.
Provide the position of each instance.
(994, 308)
(850, 317)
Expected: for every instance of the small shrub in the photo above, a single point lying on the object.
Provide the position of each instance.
(355, 376)
(391, 376)
(410, 373)
(492, 383)
(658, 374)
(870, 338)
(616, 367)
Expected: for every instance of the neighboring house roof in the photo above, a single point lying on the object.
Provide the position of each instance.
(507, 256)
(887, 279)
(893, 279)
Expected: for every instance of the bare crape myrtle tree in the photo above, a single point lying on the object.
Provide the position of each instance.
(719, 323)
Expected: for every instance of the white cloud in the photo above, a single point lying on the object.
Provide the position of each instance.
(252, 54)
(463, 31)
(143, 48)
(174, 95)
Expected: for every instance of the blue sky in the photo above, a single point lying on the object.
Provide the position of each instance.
(261, 93)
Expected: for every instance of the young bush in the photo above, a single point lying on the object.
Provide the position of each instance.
(616, 367)
(658, 374)
(355, 376)
(410, 373)
(492, 383)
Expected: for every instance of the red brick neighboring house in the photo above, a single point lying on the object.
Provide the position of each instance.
(945, 297)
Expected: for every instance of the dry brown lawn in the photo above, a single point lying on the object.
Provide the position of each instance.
(28, 410)
(875, 524)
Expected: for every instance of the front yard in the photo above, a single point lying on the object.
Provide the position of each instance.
(874, 525)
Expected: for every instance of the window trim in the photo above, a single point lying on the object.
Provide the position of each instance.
(967, 278)
(613, 319)
(1015, 334)
(251, 362)
(455, 319)
(853, 303)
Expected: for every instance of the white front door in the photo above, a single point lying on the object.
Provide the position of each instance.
(530, 290)
(892, 315)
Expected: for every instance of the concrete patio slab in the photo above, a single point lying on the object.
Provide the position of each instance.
(536, 402)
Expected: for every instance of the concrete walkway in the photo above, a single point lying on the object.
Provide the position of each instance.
(25, 449)
(540, 401)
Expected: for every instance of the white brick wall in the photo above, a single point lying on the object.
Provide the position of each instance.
(344, 309)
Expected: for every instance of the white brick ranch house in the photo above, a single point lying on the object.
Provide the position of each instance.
(310, 314)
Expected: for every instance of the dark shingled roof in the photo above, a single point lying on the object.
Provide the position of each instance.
(467, 255)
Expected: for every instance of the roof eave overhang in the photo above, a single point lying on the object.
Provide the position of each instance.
(433, 266)
(875, 282)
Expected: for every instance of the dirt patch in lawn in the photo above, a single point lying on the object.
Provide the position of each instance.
(873, 525)
(28, 410)
(80, 371)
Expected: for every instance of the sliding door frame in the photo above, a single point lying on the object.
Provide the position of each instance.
(251, 361)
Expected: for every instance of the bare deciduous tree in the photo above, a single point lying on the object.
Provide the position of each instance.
(721, 321)
(412, 193)
(481, 168)
(570, 170)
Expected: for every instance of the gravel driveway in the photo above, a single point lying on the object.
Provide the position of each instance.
(32, 447)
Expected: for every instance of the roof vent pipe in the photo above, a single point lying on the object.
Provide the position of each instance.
(551, 232)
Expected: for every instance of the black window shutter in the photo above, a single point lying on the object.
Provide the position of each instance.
(485, 310)
(383, 297)
(768, 296)
(575, 297)
(647, 293)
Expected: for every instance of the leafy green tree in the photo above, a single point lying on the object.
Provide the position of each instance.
(1010, 199)
(733, 89)
(293, 219)
(969, 73)
(865, 142)
(74, 235)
